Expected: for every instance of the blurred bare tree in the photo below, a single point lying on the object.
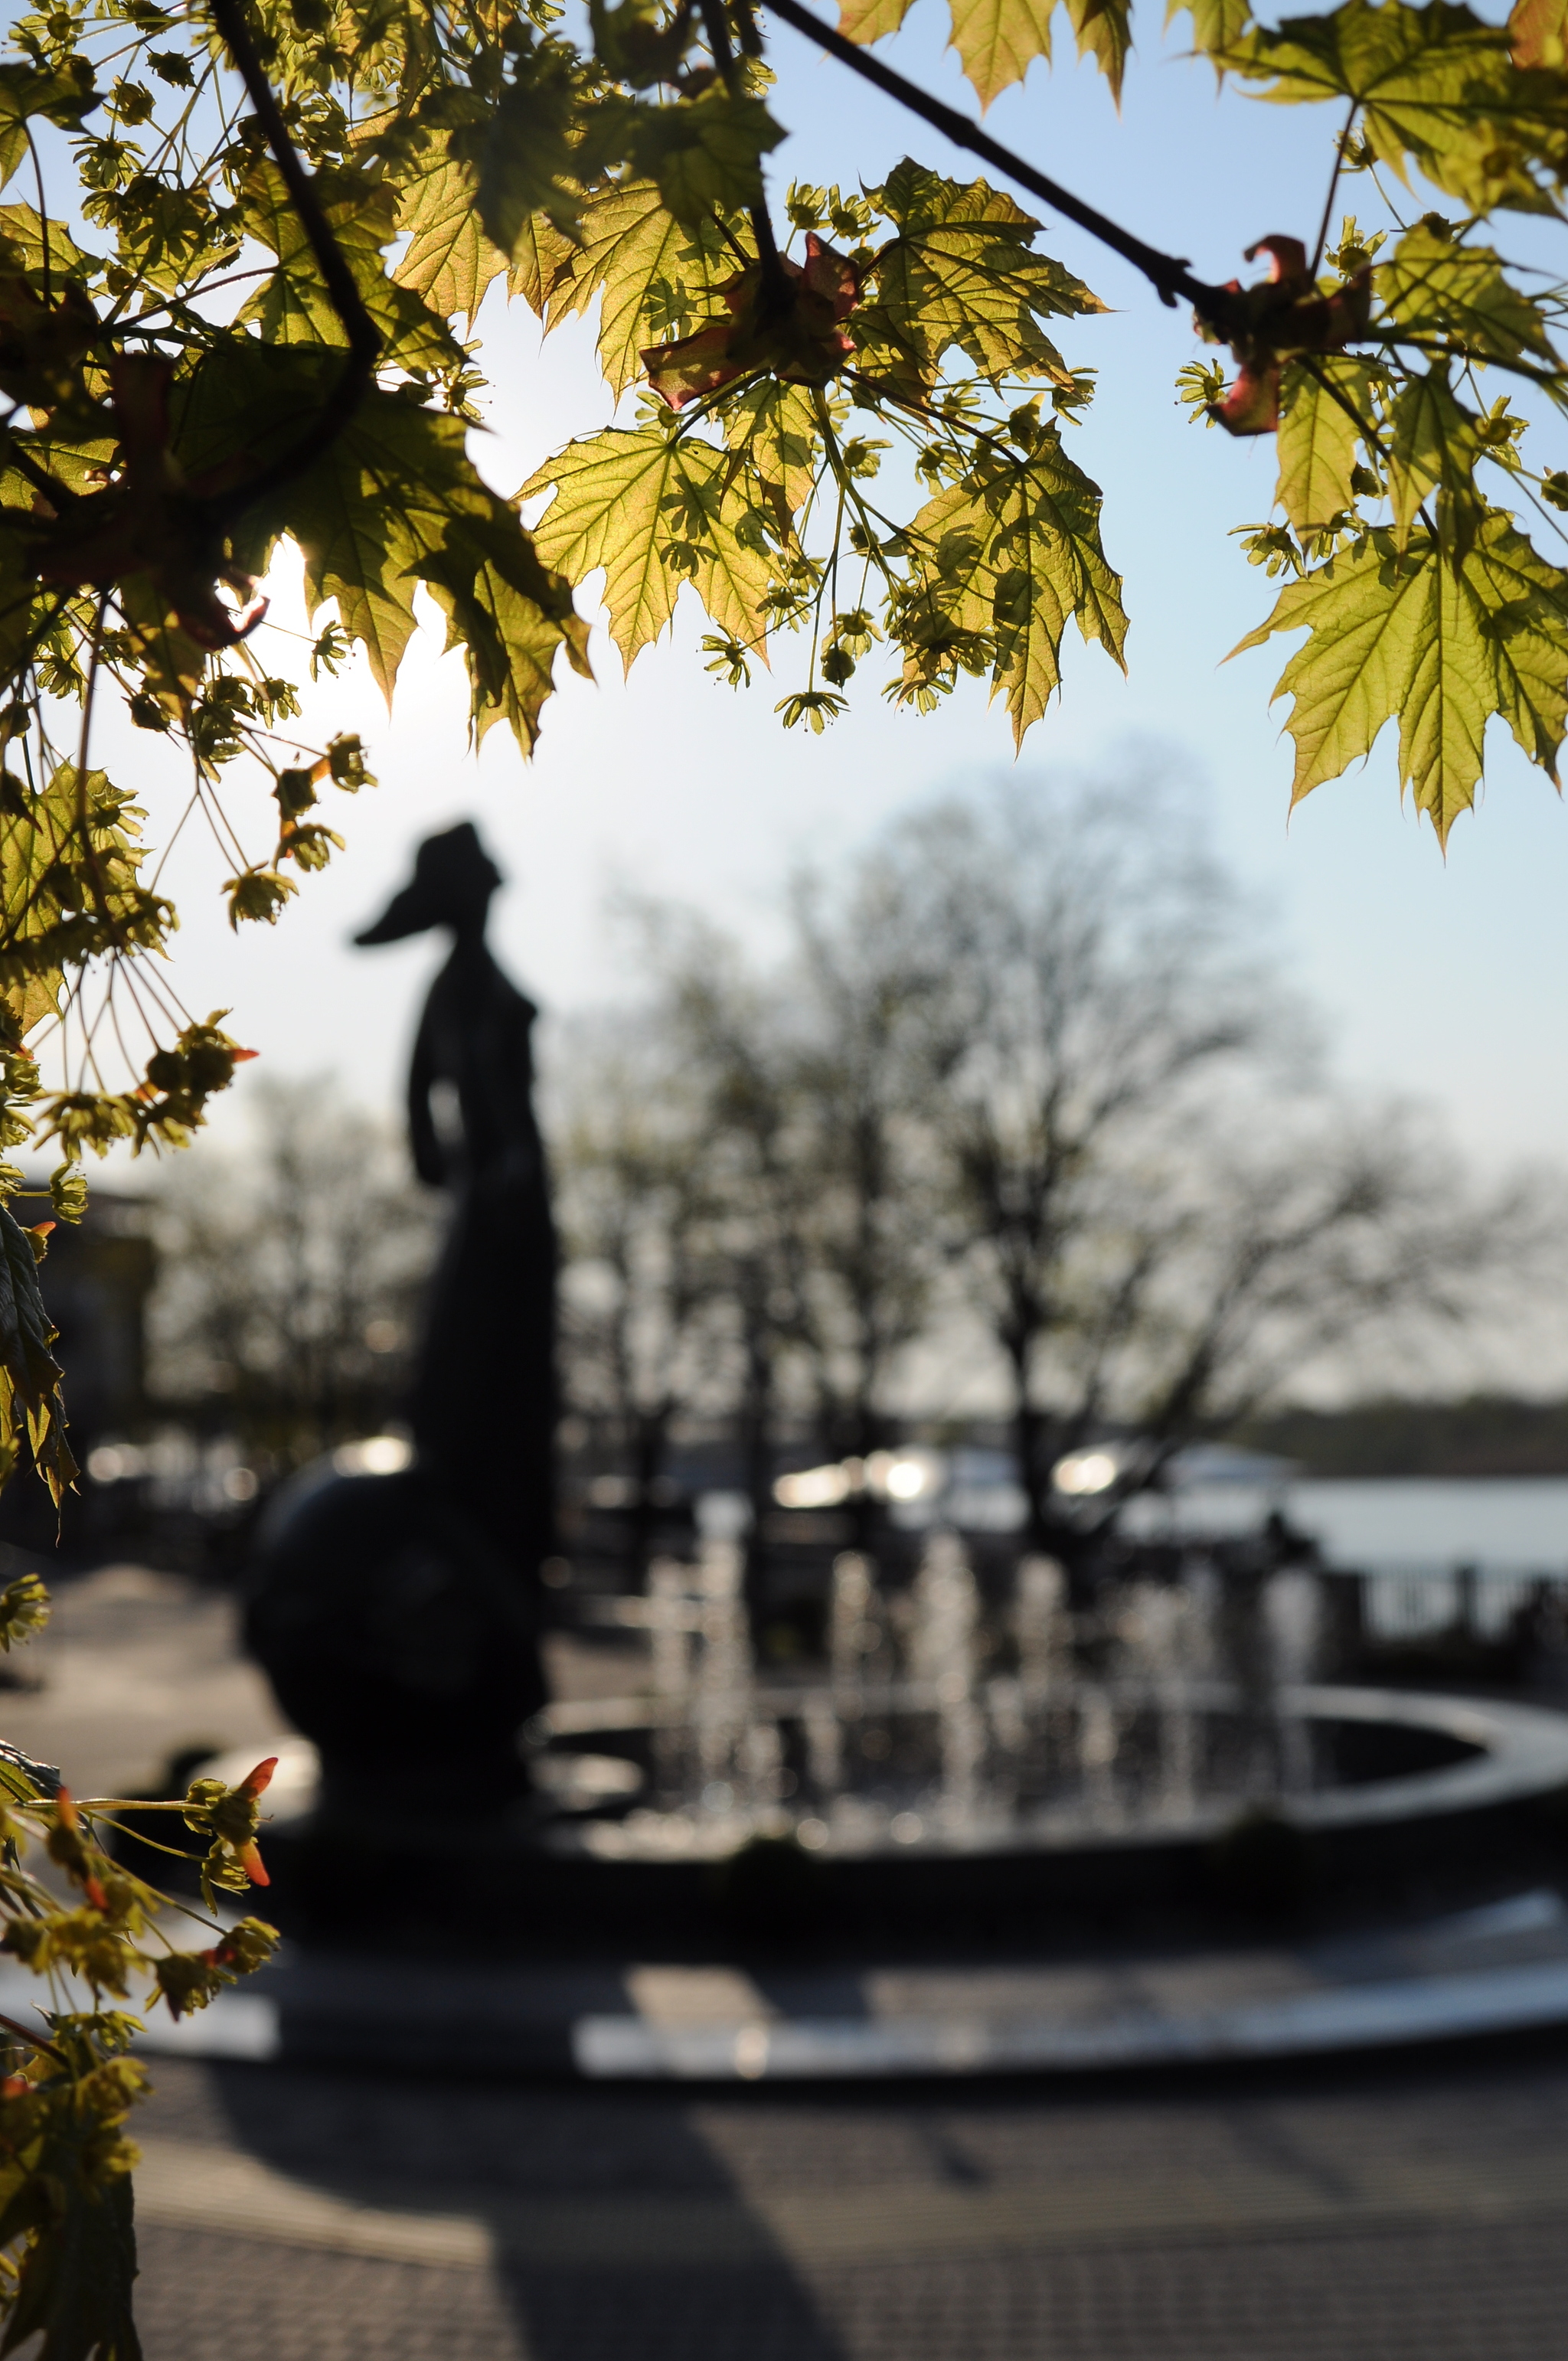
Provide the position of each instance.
(642, 1330)
(292, 1272)
(1026, 1089)
(1154, 1202)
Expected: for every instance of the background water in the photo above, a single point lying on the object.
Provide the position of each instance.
(1501, 1522)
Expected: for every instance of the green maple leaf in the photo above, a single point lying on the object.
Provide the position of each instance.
(17, 582)
(872, 20)
(1318, 438)
(632, 245)
(62, 94)
(69, 885)
(20, 226)
(396, 499)
(1007, 557)
(998, 40)
(449, 261)
(777, 427)
(293, 306)
(963, 272)
(1103, 31)
(393, 501)
(509, 615)
(1438, 645)
(543, 260)
(704, 154)
(77, 2274)
(530, 164)
(1433, 445)
(1216, 23)
(655, 510)
(1434, 85)
(1433, 284)
(30, 1376)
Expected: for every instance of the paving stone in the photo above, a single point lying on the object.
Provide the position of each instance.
(1350, 2286)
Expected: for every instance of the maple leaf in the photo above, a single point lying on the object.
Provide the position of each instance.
(630, 247)
(1435, 284)
(1438, 646)
(998, 40)
(654, 511)
(776, 428)
(1319, 438)
(77, 2271)
(69, 885)
(1217, 25)
(1434, 85)
(1433, 445)
(1007, 556)
(963, 272)
(509, 615)
(30, 1376)
(705, 154)
(292, 305)
(872, 20)
(151, 522)
(395, 500)
(1103, 31)
(449, 260)
(530, 164)
(61, 94)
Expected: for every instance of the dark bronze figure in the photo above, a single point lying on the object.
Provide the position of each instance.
(483, 1407)
(397, 1615)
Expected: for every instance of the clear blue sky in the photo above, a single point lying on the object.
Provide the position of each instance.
(1444, 982)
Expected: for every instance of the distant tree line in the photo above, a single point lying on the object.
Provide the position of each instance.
(1481, 1435)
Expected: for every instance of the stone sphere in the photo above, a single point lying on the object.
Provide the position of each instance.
(395, 1633)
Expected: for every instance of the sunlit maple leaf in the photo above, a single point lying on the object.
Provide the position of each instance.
(1438, 647)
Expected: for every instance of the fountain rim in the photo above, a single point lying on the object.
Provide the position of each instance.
(1522, 1753)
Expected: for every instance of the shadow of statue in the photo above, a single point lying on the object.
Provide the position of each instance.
(397, 1615)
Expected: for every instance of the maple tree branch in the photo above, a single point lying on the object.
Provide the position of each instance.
(724, 57)
(1333, 185)
(363, 336)
(1168, 273)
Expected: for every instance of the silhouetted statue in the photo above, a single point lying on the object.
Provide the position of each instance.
(397, 1615)
(483, 1406)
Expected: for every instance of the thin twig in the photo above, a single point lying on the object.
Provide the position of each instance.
(33, 2041)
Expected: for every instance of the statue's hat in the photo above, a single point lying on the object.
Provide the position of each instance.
(453, 878)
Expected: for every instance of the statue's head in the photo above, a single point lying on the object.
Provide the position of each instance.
(453, 882)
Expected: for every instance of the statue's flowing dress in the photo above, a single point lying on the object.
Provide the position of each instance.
(483, 1406)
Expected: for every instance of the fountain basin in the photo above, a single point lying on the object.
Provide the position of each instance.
(1383, 1757)
(1457, 1813)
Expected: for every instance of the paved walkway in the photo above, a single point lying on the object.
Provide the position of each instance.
(1391, 2211)
(1402, 2210)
